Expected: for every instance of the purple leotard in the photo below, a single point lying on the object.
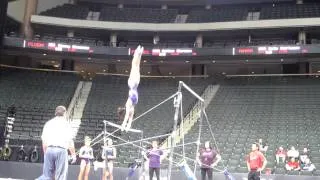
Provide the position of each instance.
(133, 91)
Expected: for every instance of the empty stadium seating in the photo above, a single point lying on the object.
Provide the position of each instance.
(35, 96)
(287, 11)
(282, 111)
(218, 14)
(146, 15)
(67, 11)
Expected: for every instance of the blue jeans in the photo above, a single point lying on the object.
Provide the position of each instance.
(55, 165)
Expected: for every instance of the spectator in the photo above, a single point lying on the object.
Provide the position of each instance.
(293, 153)
(305, 155)
(263, 147)
(292, 165)
(281, 153)
(308, 166)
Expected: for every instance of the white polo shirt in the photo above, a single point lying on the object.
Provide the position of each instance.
(57, 132)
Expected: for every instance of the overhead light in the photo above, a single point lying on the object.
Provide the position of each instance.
(317, 76)
(44, 54)
(252, 72)
(56, 65)
(213, 61)
(224, 73)
(148, 72)
(247, 60)
(170, 73)
(104, 70)
(281, 60)
(89, 73)
(145, 61)
(187, 61)
(318, 71)
(126, 71)
(82, 71)
(118, 60)
(89, 58)
(161, 61)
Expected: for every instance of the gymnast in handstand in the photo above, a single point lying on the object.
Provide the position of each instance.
(86, 156)
(133, 83)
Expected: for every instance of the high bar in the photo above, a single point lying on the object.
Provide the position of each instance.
(140, 140)
(191, 91)
(119, 127)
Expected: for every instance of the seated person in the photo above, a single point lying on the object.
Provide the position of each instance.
(263, 147)
(304, 155)
(281, 153)
(292, 165)
(308, 166)
(293, 153)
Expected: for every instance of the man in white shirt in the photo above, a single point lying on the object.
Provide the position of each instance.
(56, 140)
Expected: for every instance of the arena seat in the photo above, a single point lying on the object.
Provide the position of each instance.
(147, 15)
(288, 11)
(218, 14)
(35, 95)
(281, 111)
(68, 11)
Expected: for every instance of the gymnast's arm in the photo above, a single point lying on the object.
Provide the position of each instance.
(114, 153)
(91, 153)
(81, 152)
(218, 159)
(103, 154)
(71, 148)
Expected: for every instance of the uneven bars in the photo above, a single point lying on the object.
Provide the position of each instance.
(141, 140)
(94, 139)
(191, 91)
(119, 127)
(186, 144)
(190, 159)
(146, 112)
(172, 96)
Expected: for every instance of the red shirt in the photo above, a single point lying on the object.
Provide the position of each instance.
(293, 164)
(255, 159)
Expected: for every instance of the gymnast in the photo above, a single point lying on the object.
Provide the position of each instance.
(133, 83)
(86, 156)
(109, 154)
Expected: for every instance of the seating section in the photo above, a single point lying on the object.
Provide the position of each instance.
(218, 15)
(285, 11)
(108, 93)
(281, 111)
(254, 42)
(67, 11)
(146, 15)
(35, 96)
